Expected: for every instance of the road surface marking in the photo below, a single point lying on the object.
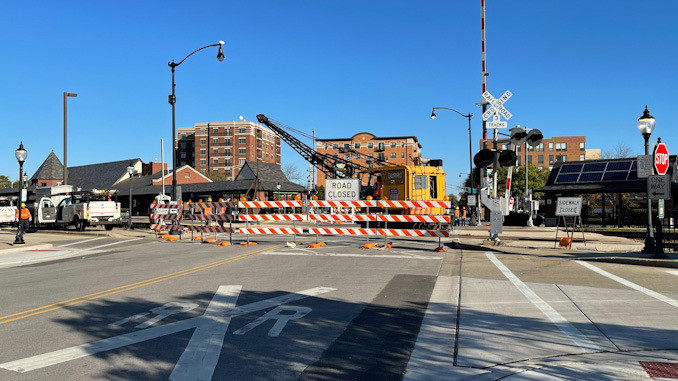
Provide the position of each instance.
(570, 331)
(218, 310)
(366, 255)
(674, 272)
(281, 319)
(128, 287)
(111, 244)
(79, 242)
(162, 312)
(202, 352)
(629, 284)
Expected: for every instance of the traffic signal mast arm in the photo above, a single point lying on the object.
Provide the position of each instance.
(333, 167)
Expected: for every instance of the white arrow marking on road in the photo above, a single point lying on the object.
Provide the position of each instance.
(275, 314)
(78, 351)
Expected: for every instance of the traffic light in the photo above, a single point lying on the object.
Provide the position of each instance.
(483, 158)
(534, 137)
(518, 136)
(507, 158)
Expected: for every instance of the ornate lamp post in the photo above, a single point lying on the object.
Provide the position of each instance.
(173, 101)
(21, 155)
(646, 126)
(470, 157)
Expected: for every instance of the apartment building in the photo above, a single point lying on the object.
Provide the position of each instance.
(370, 151)
(553, 150)
(224, 147)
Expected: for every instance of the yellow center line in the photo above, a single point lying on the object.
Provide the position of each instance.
(128, 287)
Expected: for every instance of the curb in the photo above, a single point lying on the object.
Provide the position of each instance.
(26, 248)
(635, 261)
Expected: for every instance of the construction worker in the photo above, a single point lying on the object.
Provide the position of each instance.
(463, 215)
(456, 216)
(25, 216)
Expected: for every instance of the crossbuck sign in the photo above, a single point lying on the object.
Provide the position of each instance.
(497, 108)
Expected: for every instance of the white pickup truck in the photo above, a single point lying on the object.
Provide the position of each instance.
(77, 208)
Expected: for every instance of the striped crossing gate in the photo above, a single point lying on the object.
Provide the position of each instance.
(270, 217)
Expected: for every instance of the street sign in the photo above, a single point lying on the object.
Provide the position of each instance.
(471, 200)
(496, 125)
(645, 168)
(661, 159)
(496, 106)
(660, 209)
(659, 187)
(568, 206)
(342, 189)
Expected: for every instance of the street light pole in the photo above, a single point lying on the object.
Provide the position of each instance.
(20, 155)
(173, 101)
(470, 157)
(132, 172)
(66, 95)
(646, 125)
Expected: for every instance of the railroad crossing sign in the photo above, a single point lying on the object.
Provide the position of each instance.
(497, 107)
(661, 159)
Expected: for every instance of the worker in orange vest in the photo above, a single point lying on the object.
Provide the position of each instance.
(25, 215)
(456, 216)
(463, 215)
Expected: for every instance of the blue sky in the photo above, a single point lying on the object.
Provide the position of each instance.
(575, 67)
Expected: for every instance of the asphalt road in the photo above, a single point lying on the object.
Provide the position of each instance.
(145, 309)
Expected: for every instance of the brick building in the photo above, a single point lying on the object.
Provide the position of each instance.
(224, 147)
(553, 150)
(369, 150)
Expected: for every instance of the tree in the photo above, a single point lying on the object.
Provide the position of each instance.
(453, 199)
(536, 179)
(292, 173)
(216, 176)
(5, 182)
(619, 151)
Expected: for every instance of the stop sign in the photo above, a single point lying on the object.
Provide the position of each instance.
(661, 159)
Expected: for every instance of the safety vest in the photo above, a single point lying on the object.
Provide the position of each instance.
(25, 214)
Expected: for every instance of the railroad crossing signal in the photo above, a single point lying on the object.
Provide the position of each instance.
(497, 106)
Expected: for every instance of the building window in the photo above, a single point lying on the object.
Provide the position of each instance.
(227, 143)
(561, 146)
(203, 141)
(215, 130)
(203, 131)
(182, 155)
(242, 130)
(380, 147)
(582, 157)
(529, 159)
(228, 152)
(370, 155)
(242, 140)
(551, 146)
(402, 145)
(402, 155)
(241, 161)
(228, 162)
(540, 159)
(347, 156)
(370, 145)
(381, 156)
(335, 146)
(203, 151)
(187, 175)
(227, 131)
(215, 161)
(182, 145)
(582, 146)
(347, 145)
(183, 136)
(550, 159)
(242, 151)
(203, 161)
(215, 141)
(357, 146)
(540, 147)
(393, 144)
(215, 151)
(393, 155)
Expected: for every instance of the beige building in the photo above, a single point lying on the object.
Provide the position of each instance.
(224, 147)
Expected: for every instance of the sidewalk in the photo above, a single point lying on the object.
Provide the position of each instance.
(542, 241)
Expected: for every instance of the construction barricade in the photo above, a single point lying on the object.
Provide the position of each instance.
(210, 222)
(160, 213)
(270, 217)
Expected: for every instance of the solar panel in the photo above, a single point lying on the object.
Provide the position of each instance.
(615, 176)
(567, 178)
(594, 167)
(571, 168)
(591, 176)
(619, 165)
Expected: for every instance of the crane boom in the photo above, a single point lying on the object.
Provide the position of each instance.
(333, 167)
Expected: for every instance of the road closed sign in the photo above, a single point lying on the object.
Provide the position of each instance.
(342, 190)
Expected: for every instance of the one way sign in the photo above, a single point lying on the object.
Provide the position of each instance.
(659, 187)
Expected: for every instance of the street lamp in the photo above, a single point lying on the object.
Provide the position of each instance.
(66, 95)
(278, 186)
(132, 172)
(21, 155)
(470, 157)
(646, 126)
(173, 101)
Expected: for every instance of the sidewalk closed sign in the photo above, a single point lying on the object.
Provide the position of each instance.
(568, 206)
(342, 190)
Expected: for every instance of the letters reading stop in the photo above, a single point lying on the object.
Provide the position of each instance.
(661, 159)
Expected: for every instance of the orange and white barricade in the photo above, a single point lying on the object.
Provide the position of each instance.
(166, 212)
(270, 217)
(207, 213)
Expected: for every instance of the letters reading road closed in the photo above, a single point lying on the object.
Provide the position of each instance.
(342, 190)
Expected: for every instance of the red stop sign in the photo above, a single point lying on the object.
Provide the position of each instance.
(661, 159)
